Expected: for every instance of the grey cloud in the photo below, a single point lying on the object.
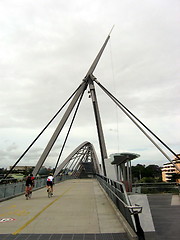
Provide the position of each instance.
(46, 50)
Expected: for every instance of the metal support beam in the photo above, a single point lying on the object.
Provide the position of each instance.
(96, 60)
(88, 77)
(59, 128)
(98, 124)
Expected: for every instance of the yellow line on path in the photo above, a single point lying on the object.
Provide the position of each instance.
(33, 218)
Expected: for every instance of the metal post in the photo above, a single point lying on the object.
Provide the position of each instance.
(98, 124)
(59, 128)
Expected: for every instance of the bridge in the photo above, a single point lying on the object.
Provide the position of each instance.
(86, 204)
(94, 208)
(78, 210)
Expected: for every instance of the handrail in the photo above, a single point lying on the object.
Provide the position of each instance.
(131, 207)
(160, 187)
(120, 198)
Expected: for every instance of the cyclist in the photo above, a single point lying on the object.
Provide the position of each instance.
(50, 182)
(29, 184)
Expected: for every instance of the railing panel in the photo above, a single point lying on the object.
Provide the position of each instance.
(150, 188)
(2, 191)
(14, 189)
(10, 190)
(117, 192)
(121, 205)
(19, 188)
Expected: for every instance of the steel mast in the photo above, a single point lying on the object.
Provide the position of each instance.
(88, 80)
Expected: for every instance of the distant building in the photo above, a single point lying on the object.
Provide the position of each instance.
(22, 168)
(169, 170)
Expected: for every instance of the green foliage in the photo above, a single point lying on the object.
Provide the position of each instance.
(175, 177)
(44, 171)
(147, 180)
(3, 170)
(151, 173)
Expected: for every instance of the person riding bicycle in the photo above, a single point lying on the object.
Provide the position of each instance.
(29, 184)
(50, 182)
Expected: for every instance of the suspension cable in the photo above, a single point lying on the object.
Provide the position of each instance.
(126, 111)
(52, 119)
(72, 121)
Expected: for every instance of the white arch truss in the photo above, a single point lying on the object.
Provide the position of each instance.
(83, 158)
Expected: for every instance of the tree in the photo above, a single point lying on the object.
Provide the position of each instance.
(44, 171)
(148, 180)
(138, 171)
(151, 173)
(175, 177)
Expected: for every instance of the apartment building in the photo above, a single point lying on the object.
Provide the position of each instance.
(169, 170)
(22, 168)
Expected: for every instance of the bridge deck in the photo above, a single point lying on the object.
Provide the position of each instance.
(77, 207)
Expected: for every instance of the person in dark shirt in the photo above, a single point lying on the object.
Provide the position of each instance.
(29, 184)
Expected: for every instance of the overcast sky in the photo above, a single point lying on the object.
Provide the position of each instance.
(46, 49)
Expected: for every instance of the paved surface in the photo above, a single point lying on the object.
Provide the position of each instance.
(77, 207)
(100, 236)
(165, 210)
(160, 215)
(145, 217)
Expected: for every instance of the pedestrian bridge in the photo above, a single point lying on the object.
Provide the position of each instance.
(79, 209)
(86, 209)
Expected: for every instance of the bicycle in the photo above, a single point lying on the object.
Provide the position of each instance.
(28, 194)
(49, 190)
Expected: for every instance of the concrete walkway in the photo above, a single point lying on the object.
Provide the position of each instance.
(165, 210)
(78, 206)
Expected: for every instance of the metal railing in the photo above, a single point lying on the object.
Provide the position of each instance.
(161, 187)
(117, 192)
(10, 190)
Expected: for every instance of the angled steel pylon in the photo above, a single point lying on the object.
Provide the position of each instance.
(88, 80)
